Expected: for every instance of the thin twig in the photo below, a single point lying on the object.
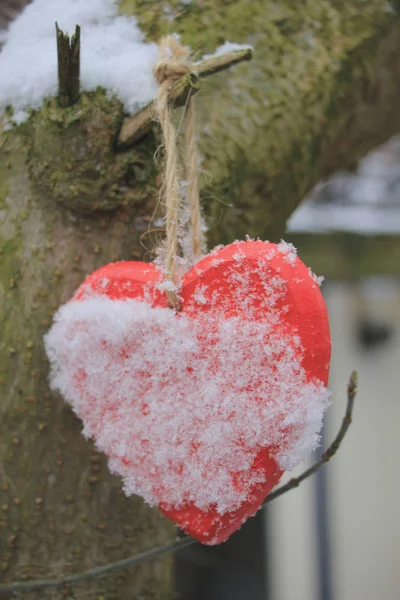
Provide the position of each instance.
(120, 565)
(137, 126)
(19, 586)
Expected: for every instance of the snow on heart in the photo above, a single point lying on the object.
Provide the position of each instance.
(180, 403)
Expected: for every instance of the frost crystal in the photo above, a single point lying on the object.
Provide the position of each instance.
(289, 251)
(167, 286)
(318, 279)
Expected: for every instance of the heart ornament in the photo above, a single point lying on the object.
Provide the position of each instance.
(200, 412)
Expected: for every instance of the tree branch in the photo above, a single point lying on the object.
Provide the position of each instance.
(19, 586)
(68, 54)
(137, 126)
(23, 586)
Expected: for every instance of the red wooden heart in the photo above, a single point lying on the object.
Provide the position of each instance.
(200, 412)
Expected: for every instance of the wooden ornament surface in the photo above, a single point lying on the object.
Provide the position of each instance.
(245, 285)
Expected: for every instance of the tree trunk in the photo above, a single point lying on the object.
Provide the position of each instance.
(321, 91)
(61, 511)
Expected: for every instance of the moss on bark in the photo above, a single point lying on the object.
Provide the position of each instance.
(322, 73)
(72, 158)
(60, 509)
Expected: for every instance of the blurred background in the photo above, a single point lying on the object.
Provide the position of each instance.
(338, 535)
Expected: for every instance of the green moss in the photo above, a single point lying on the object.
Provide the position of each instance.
(395, 4)
(3, 195)
(10, 261)
(264, 125)
(72, 159)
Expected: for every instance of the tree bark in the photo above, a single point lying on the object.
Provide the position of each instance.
(321, 91)
(60, 509)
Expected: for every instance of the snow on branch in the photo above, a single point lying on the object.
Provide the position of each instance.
(114, 55)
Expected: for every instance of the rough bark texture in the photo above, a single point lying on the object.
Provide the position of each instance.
(60, 510)
(322, 90)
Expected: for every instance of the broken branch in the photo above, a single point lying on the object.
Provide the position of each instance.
(68, 53)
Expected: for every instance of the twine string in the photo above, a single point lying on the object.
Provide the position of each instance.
(192, 164)
(174, 63)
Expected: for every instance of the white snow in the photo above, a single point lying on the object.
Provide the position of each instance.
(366, 202)
(229, 47)
(114, 54)
(167, 286)
(179, 403)
(199, 295)
(289, 252)
(364, 220)
(318, 279)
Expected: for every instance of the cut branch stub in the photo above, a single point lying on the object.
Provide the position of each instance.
(68, 53)
(137, 126)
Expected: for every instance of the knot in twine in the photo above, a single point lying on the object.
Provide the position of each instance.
(173, 61)
(173, 64)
